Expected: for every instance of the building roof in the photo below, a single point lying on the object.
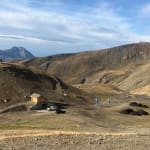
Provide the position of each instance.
(35, 95)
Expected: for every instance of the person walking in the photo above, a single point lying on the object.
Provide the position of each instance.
(109, 100)
(97, 101)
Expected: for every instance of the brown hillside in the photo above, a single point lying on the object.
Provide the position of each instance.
(16, 82)
(116, 66)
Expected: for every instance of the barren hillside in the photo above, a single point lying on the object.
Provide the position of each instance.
(18, 82)
(116, 66)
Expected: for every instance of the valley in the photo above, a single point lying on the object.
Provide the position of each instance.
(118, 77)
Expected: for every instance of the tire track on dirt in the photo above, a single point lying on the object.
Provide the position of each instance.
(31, 133)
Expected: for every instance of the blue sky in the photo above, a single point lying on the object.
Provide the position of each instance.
(47, 27)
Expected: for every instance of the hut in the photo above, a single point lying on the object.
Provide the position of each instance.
(36, 98)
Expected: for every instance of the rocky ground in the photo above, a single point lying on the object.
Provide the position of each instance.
(78, 142)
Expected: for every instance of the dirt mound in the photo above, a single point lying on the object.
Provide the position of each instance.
(138, 105)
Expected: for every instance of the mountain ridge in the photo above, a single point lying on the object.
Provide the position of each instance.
(116, 66)
(92, 61)
(15, 53)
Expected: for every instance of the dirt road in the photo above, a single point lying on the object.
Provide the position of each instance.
(66, 140)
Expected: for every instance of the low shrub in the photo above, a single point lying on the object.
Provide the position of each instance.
(138, 105)
(140, 112)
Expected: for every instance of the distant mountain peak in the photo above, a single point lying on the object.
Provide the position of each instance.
(15, 53)
(17, 48)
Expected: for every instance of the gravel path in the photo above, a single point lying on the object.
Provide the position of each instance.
(77, 142)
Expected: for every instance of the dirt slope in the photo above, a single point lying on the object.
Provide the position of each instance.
(116, 66)
(16, 82)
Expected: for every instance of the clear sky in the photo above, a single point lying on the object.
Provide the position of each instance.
(47, 27)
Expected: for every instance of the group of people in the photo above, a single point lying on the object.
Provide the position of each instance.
(97, 100)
